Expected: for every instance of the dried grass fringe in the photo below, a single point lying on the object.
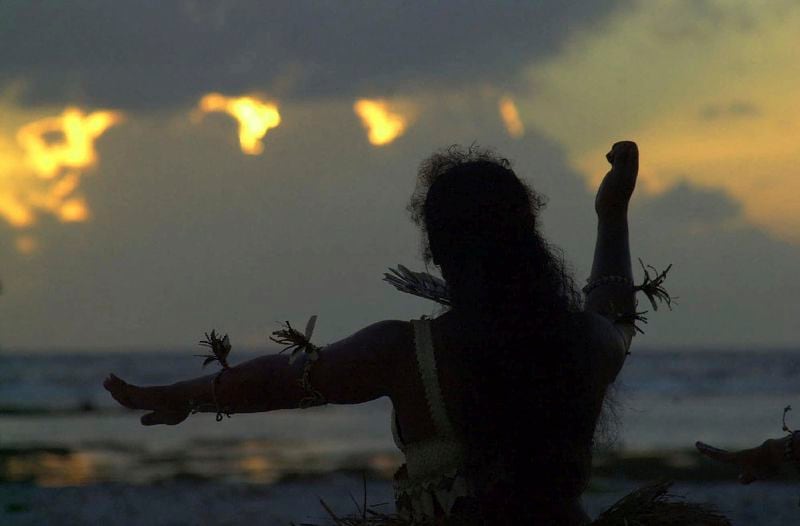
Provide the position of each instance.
(647, 506)
(655, 506)
(365, 515)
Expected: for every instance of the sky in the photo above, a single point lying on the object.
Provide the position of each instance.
(171, 167)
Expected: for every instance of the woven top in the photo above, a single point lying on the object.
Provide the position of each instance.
(434, 466)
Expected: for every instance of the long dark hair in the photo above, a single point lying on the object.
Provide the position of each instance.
(531, 407)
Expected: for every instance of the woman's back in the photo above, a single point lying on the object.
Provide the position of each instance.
(432, 425)
(410, 402)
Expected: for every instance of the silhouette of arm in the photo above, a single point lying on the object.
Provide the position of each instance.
(351, 371)
(757, 463)
(612, 258)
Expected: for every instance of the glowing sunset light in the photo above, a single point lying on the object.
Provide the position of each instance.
(382, 125)
(255, 117)
(56, 199)
(17, 213)
(73, 210)
(26, 245)
(41, 170)
(510, 116)
(75, 147)
(724, 121)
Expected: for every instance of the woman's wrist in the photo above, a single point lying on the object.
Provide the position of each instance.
(194, 395)
(791, 449)
(775, 450)
(784, 450)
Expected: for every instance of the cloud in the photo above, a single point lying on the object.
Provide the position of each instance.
(734, 109)
(188, 234)
(702, 17)
(153, 54)
(717, 110)
(688, 206)
(734, 281)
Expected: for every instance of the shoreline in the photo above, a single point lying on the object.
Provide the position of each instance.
(268, 462)
(214, 502)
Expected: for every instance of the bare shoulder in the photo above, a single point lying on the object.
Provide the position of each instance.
(362, 366)
(382, 342)
(607, 342)
(386, 334)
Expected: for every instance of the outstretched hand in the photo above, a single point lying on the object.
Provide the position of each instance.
(756, 463)
(617, 187)
(161, 403)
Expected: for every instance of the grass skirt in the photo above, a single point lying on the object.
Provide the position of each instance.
(647, 506)
(655, 506)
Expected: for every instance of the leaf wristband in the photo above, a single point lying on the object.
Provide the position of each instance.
(299, 344)
(789, 452)
(607, 280)
(652, 286)
(220, 348)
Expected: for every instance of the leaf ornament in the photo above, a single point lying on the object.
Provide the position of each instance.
(419, 284)
(653, 286)
(296, 342)
(220, 347)
(299, 343)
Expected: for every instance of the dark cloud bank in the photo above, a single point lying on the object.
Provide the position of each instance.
(151, 54)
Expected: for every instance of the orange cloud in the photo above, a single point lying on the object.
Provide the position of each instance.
(26, 245)
(255, 117)
(41, 170)
(382, 124)
(510, 116)
(75, 150)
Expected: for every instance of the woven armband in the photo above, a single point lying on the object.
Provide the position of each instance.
(607, 280)
(313, 397)
(789, 453)
(220, 348)
(298, 344)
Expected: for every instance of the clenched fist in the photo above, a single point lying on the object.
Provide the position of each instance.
(617, 187)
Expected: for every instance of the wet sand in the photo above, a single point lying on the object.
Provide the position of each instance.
(204, 502)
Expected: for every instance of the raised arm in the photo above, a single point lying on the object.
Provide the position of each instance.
(354, 370)
(609, 292)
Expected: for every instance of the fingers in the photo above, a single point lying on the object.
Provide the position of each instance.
(740, 458)
(151, 419)
(717, 454)
(623, 151)
(747, 478)
(119, 390)
(167, 418)
(128, 395)
(134, 397)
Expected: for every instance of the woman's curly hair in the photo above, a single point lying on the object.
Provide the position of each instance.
(532, 404)
(505, 222)
(449, 160)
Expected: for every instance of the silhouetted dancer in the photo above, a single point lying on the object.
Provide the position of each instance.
(496, 400)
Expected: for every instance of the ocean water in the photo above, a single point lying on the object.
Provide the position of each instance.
(58, 426)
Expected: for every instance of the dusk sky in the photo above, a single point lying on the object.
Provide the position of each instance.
(171, 167)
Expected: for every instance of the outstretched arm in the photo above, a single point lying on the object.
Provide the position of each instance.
(354, 370)
(610, 290)
(758, 463)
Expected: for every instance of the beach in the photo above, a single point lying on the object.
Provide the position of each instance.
(206, 502)
(69, 455)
